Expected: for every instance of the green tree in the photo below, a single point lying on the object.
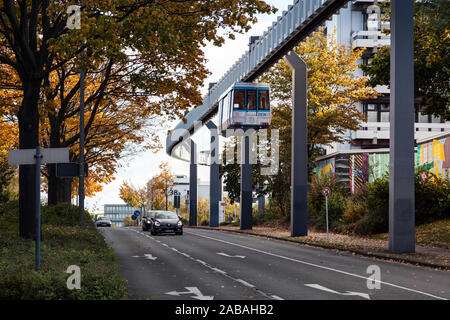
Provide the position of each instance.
(431, 62)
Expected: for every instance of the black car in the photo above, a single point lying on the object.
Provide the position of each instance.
(147, 220)
(103, 222)
(165, 221)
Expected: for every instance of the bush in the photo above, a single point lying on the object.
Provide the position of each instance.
(269, 216)
(432, 202)
(432, 198)
(375, 221)
(64, 244)
(356, 206)
(336, 207)
(336, 203)
(63, 214)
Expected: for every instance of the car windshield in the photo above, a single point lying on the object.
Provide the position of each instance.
(166, 215)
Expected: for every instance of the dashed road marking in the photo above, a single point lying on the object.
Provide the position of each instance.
(318, 266)
(222, 272)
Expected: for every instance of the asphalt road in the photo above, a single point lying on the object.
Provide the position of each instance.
(207, 264)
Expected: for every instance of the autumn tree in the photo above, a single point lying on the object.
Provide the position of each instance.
(132, 196)
(155, 197)
(115, 119)
(165, 38)
(333, 91)
(163, 181)
(8, 131)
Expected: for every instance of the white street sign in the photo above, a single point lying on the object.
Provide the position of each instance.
(222, 206)
(27, 156)
(191, 290)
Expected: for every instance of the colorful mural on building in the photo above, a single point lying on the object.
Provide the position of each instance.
(358, 168)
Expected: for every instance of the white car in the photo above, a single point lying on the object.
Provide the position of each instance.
(103, 222)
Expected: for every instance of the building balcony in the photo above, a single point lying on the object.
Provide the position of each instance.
(370, 39)
(380, 130)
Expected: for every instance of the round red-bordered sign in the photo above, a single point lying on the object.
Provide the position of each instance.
(326, 192)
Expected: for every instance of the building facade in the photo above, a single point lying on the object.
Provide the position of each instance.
(181, 184)
(355, 168)
(359, 25)
(117, 212)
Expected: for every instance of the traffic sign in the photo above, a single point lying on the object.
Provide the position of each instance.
(70, 169)
(176, 201)
(137, 213)
(326, 192)
(27, 156)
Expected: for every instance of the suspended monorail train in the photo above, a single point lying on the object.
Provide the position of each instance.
(245, 106)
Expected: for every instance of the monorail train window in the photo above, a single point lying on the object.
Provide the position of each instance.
(239, 99)
(251, 99)
(225, 106)
(264, 103)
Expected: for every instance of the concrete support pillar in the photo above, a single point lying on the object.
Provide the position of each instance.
(299, 167)
(401, 173)
(246, 184)
(193, 185)
(215, 185)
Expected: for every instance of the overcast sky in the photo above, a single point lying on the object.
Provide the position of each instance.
(139, 169)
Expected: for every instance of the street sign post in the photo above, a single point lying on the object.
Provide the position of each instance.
(38, 157)
(136, 216)
(27, 156)
(326, 193)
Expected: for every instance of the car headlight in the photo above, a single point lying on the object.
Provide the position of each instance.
(180, 223)
(157, 223)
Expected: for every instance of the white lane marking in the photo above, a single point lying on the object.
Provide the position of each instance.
(319, 266)
(191, 290)
(146, 256)
(219, 271)
(245, 283)
(347, 293)
(201, 261)
(228, 256)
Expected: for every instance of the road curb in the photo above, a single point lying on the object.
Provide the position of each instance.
(361, 253)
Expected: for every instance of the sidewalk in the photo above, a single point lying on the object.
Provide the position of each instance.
(425, 256)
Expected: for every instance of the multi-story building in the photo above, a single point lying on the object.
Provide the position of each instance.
(181, 184)
(359, 25)
(366, 155)
(117, 212)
